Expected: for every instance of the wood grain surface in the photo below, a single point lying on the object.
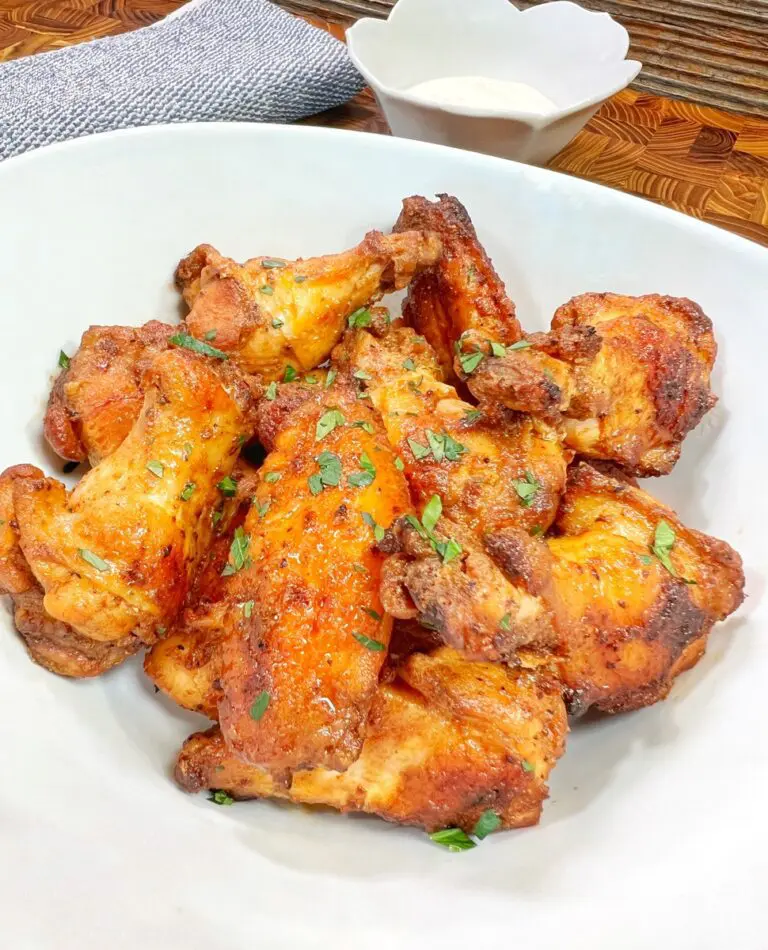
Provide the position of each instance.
(706, 162)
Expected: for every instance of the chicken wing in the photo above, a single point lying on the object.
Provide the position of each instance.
(307, 637)
(641, 592)
(267, 314)
(117, 555)
(462, 291)
(447, 741)
(97, 398)
(50, 643)
(630, 375)
(493, 478)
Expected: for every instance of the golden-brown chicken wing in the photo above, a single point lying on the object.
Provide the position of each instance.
(447, 741)
(641, 592)
(96, 400)
(267, 314)
(630, 375)
(50, 643)
(307, 638)
(117, 555)
(462, 291)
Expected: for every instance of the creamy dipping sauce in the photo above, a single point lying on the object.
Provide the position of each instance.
(480, 92)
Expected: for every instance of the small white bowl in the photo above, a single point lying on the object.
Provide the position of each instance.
(573, 56)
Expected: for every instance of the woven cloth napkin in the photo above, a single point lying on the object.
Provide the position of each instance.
(243, 60)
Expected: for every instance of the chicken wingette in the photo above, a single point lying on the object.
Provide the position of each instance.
(630, 376)
(640, 590)
(305, 634)
(117, 555)
(493, 479)
(446, 742)
(462, 291)
(270, 313)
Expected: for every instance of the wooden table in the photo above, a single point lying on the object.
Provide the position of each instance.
(703, 161)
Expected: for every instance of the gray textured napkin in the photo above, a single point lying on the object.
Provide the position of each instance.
(243, 60)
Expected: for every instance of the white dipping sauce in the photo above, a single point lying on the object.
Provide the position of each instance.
(481, 92)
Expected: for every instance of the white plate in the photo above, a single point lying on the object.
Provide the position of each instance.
(656, 830)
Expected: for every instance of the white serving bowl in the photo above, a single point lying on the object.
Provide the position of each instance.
(573, 56)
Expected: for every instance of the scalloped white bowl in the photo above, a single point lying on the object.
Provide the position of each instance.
(653, 834)
(574, 56)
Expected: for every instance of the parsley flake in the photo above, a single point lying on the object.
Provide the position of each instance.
(663, 542)
(498, 349)
(64, 360)
(332, 374)
(419, 451)
(197, 346)
(364, 425)
(186, 451)
(472, 415)
(263, 508)
(210, 335)
(360, 318)
(327, 423)
(271, 262)
(526, 489)
(94, 560)
(368, 643)
(506, 622)
(156, 468)
(260, 705)
(238, 553)
(364, 478)
(277, 323)
(409, 364)
(489, 821)
(266, 289)
(399, 464)
(188, 491)
(271, 391)
(470, 362)
(247, 608)
(378, 531)
(228, 486)
(361, 374)
(520, 345)
(454, 839)
(271, 477)
(527, 766)
(289, 374)
(330, 473)
(220, 797)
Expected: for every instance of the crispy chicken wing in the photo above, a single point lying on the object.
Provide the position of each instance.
(117, 555)
(630, 375)
(302, 660)
(641, 598)
(498, 476)
(50, 643)
(462, 291)
(268, 314)
(96, 400)
(445, 742)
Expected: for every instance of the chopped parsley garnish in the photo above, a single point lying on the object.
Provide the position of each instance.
(271, 262)
(526, 489)
(69, 467)
(409, 364)
(210, 336)
(365, 477)
(537, 530)
(263, 507)
(472, 415)
(373, 613)
(64, 360)
(266, 289)
(260, 705)
(368, 643)
(506, 622)
(454, 839)
(299, 279)
(448, 550)
(188, 491)
(332, 374)
(220, 797)
(489, 821)
(216, 517)
(663, 542)
(361, 374)
(238, 553)
(441, 446)
(646, 559)
(289, 374)
(498, 349)
(399, 464)
(378, 531)
(360, 568)
(520, 345)
(271, 391)
(527, 766)
(247, 608)
(186, 451)
(364, 425)
(156, 468)
(271, 477)
(329, 475)
(197, 346)
(228, 486)
(419, 451)
(277, 323)
(360, 318)
(327, 423)
(310, 380)
(470, 361)
(94, 560)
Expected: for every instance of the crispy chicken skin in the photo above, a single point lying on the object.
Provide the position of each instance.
(117, 555)
(268, 314)
(445, 741)
(634, 626)
(629, 374)
(462, 291)
(50, 643)
(312, 646)
(97, 399)
(499, 477)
